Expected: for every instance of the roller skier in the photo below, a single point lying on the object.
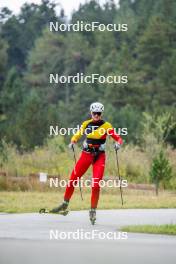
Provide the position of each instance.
(96, 130)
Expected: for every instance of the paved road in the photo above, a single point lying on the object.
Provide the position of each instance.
(34, 238)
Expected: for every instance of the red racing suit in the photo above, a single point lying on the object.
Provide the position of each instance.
(96, 133)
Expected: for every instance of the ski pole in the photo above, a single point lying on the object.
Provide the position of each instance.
(75, 164)
(118, 170)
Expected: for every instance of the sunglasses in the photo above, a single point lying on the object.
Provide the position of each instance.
(97, 113)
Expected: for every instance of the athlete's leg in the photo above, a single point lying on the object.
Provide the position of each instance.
(98, 172)
(80, 168)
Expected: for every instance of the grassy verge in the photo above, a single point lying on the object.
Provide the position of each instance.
(152, 229)
(17, 202)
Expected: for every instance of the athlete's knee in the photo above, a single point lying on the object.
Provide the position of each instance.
(96, 183)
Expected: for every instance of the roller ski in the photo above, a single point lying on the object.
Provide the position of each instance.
(61, 210)
(92, 216)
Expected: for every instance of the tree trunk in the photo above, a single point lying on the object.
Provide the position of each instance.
(156, 187)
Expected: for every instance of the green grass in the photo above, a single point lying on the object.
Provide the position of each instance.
(152, 229)
(18, 202)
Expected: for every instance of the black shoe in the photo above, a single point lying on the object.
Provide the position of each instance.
(60, 208)
(92, 216)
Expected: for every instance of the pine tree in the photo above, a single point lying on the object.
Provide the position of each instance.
(161, 170)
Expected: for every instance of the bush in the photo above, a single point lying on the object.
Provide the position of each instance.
(161, 170)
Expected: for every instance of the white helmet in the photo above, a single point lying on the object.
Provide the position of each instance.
(96, 107)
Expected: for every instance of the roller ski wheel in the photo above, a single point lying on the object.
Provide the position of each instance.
(92, 216)
(64, 213)
(61, 209)
(45, 211)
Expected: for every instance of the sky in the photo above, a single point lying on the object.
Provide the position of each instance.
(68, 5)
